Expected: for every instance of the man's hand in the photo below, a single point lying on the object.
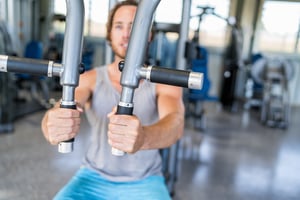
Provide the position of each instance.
(61, 124)
(125, 132)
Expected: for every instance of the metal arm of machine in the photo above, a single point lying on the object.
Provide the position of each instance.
(133, 71)
(71, 63)
(72, 51)
(181, 78)
(30, 66)
(135, 57)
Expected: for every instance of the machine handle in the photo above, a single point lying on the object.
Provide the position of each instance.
(71, 61)
(175, 77)
(29, 66)
(66, 146)
(122, 109)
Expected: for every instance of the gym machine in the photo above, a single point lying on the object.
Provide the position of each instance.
(132, 72)
(232, 63)
(197, 59)
(20, 94)
(6, 89)
(273, 73)
(68, 70)
(133, 68)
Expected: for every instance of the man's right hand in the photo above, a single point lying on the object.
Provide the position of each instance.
(61, 124)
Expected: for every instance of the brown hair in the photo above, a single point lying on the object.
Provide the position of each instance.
(113, 12)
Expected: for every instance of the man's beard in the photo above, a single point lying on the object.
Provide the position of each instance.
(118, 53)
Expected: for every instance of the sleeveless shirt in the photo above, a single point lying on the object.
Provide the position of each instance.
(129, 167)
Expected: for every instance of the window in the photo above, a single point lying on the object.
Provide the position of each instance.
(3, 10)
(96, 13)
(212, 28)
(164, 14)
(279, 26)
(96, 16)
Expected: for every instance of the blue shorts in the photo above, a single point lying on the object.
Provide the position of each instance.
(87, 184)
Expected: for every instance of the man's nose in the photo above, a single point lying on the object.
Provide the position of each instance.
(126, 32)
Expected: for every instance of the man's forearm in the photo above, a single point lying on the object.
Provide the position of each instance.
(165, 132)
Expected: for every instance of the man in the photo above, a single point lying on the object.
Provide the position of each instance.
(157, 122)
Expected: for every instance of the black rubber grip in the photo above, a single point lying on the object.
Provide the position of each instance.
(121, 110)
(170, 76)
(69, 107)
(70, 140)
(27, 66)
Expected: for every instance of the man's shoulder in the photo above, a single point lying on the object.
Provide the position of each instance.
(94, 70)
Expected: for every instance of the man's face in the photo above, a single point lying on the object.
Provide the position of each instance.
(121, 28)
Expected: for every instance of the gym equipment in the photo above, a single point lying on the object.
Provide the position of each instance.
(6, 116)
(170, 166)
(253, 89)
(197, 59)
(162, 50)
(7, 89)
(132, 72)
(37, 85)
(70, 68)
(134, 69)
(232, 63)
(273, 74)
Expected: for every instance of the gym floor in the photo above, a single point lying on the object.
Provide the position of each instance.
(235, 158)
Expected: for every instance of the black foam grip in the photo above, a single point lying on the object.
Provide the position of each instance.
(27, 66)
(121, 110)
(70, 140)
(69, 107)
(170, 76)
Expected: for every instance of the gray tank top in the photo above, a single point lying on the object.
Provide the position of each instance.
(129, 167)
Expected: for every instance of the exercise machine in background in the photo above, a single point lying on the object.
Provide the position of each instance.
(20, 94)
(68, 71)
(9, 91)
(232, 62)
(197, 57)
(273, 75)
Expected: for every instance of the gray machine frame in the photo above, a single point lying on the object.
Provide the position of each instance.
(133, 70)
(68, 70)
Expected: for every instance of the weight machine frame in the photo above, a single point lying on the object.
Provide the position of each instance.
(133, 70)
